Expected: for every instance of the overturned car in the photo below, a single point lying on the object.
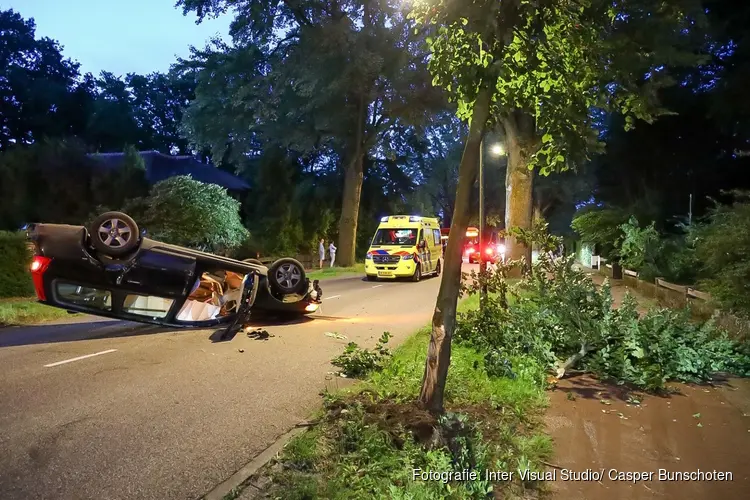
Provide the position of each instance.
(111, 269)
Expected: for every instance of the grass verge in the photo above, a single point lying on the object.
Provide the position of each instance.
(333, 272)
(373, 441)
(27, 311)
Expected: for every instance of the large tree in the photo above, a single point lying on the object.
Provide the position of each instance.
(653, 170)
(537, 69)
(334, 77)
(40, 95)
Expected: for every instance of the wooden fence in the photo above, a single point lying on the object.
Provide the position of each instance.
(672, 295)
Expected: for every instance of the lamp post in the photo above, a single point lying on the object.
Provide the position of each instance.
(496, 150)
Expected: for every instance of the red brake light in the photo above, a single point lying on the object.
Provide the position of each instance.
(488, 250)
(470, 250)
(38, 266)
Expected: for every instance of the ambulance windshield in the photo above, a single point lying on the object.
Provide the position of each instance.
(395, 236)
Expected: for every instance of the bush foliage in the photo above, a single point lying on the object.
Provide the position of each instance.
(15, 280)
(183, 211)
(722, 246)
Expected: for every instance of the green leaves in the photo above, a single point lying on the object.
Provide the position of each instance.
(562, 61)
(183, 211)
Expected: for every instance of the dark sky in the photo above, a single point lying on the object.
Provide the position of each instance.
(121, 36)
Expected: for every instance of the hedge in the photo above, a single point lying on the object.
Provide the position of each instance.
(15, 280)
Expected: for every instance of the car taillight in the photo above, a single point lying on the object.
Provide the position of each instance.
(470, 250)
(488, 251)
(38, 266)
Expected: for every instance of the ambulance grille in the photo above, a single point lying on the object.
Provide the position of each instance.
(386, 259)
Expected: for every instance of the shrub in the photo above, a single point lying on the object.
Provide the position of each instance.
(639, 248)
(722, 245)
(601, 226)
(186, 212)
(15, 280)
(358, 362)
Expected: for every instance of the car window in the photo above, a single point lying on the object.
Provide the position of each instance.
(395, 236)
(83, 296)
(436, 234)
(147, 305)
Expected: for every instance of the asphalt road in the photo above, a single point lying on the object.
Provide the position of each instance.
(114, 410)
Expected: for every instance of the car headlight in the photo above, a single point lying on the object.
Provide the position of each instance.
(368, 256)
(501, 248)
(407, 257)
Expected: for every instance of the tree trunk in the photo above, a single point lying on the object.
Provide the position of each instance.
(444, 317)
(519, 180)
(537, 214)
(353, 177)
(447, 216)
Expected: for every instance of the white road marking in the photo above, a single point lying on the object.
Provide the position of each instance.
(377, 286)
(79, 358)
(332, 297)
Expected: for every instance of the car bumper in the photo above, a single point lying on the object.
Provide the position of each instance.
(402, 269)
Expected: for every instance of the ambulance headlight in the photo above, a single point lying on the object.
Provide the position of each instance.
(407, 257)
(368, 256)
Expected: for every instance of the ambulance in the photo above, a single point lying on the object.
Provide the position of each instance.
(405, 246)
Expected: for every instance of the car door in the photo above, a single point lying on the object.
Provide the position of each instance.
(160, 273)
(437, 247)
(424, 257)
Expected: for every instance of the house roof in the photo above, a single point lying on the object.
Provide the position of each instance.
(160, 166)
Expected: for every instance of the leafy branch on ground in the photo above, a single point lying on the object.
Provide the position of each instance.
(356, 362)
(560, 319)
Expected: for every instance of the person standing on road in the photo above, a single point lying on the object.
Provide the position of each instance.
(332, 251)
(322, 252)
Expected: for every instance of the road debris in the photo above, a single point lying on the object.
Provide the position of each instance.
(241, 350)
(335, 335)
(259, 334)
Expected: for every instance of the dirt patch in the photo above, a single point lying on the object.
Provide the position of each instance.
(407, 418)
(695, 428)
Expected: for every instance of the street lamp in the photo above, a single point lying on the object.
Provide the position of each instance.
(496, 150)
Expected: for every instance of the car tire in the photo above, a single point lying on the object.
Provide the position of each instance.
(417, 273)
(287, 276)
(253, 261)
(371, 278)
(114, 234)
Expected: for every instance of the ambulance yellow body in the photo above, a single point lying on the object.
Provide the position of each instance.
(405, 246)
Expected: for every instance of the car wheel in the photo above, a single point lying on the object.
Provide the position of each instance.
(287, 276)
(417, 273)
(114, 234)
(371, 278)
